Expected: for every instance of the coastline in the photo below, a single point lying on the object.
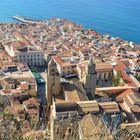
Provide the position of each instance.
(114, 18)
(23, 19)
(31, 20)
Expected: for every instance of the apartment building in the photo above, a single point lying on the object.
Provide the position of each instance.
(24, 52)
(64, 67)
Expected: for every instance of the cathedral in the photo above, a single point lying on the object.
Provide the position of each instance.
(89, 79)
(87, 84)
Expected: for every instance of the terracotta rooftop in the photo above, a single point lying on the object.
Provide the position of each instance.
(58, 60)
(62, 63)
(24, 86)
(104, 67)
(99, 66)
(120, 66)
(15, 109)
(18, 34)
(126, 78)
(124, 94)
(32, 111)
(32, 101)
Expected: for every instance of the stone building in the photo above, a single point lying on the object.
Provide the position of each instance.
(22, 50)
(89, 79)
(104, 71)
(26, 54)
(83, 120)
(64, 67)
(53, 81)
(73, 112)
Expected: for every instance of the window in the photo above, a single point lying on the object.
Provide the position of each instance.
(52, 70)
(99, 75)
(72, 66)
(105, 76)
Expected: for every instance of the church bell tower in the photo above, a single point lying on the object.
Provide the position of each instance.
(90, 79)
(53, 81)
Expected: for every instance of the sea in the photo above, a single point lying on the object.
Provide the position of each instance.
(119, 18)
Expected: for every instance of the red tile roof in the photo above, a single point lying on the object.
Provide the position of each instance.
(61, 63)
(32, 101)
(104, 67)
(99, 66)
(58, 60)
(121, 67)
(124, 94)
(23, 86)
(15, 109)
(32, 111)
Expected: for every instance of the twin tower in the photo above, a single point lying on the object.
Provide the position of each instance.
(53, 80)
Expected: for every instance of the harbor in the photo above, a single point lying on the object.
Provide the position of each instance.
(25, 19)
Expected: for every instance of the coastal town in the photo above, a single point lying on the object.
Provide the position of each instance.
(61, 81)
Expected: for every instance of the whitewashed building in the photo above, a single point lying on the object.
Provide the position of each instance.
(24, 53)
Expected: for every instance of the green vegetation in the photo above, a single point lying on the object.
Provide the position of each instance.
(33, 69)
(2, 106)
(116, 80)
(28, 138)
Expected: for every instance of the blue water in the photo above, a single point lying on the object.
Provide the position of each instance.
(119, 18)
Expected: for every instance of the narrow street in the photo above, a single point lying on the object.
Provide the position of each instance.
(41, 92)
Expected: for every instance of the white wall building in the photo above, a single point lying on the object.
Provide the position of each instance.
(33, 58)
(30, 55)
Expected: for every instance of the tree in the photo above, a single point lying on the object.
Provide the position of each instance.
(116, 80)
(2, 106)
